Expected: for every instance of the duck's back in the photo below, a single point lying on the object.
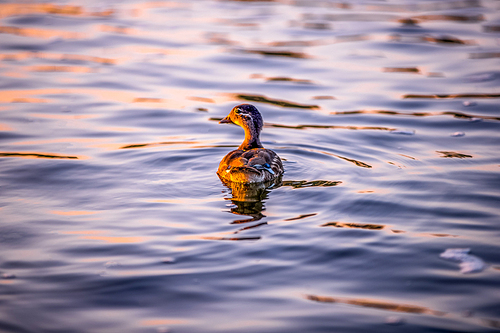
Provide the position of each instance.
(250, 166)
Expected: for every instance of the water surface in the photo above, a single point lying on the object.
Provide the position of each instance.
(386, 114)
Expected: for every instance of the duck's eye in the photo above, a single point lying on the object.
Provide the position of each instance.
(237, 111)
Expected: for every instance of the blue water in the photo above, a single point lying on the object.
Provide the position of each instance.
(385, 113)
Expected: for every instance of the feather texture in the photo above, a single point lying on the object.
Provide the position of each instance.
(251, 162)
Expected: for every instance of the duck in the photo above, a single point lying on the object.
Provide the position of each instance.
(251, 162)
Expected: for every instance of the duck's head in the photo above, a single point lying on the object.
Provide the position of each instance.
(246, 116)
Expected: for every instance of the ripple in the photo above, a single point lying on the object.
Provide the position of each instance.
(388, 306)
(354, 225)
(271, 53)
(443, 96)
(455, 114)
(281, 79)
(413, 70)
(312, 183)
(41, 155)
(300, 217)
(250, 238)
(454, 18)
(12, 9)
(452, 154)
(282, 103)
(41, 33)
(301, 127)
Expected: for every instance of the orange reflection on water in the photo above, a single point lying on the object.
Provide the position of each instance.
(140, 8)
(300, 217)
(24, 96)
(13, 9)
(17, 75)
(41, 33)
(179, 97)
(72, 69)
(147, 100)
(118, 30)
(435, 235)
(457, 18)
(381, 305)
(4, 127)
(354, 225)
(63, 116)
(56, 56)
(158, 322)
(4, 281)
(117, 129)
(27, 100)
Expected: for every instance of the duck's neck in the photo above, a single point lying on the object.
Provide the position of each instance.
(252, 139)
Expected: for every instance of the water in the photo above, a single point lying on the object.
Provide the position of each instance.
(385, 113)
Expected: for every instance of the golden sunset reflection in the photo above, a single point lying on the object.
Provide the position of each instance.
(72, 69)
(4, 127)
(278, 102)
(435, 235)
(19, 56)
(28, 100)
(117, 29)
(18, 75)
(310, 183)
(13, 9)
(41, 33)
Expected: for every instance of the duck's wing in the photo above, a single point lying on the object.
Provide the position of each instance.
(263, 164)
(264, 159)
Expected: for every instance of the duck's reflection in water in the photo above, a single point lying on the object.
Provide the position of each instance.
(248, 198)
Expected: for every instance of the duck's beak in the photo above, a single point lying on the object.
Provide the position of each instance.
(226, 120)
